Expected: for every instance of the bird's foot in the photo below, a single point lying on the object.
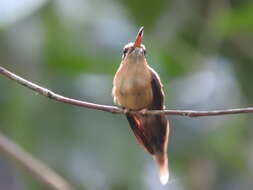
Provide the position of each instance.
(143, 111)
(126, 110)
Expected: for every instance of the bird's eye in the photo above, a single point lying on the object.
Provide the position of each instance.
(125, 51)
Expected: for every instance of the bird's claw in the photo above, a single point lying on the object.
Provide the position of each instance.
(143, 111)
(125, 110)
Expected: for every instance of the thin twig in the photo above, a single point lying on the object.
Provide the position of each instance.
(114, 109)
(34, 166)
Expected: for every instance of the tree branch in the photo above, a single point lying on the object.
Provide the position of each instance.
(31, 164)
(114, 109)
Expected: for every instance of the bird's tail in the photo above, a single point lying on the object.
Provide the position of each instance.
(162, 162)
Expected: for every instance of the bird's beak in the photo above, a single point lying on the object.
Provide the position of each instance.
(138, 39)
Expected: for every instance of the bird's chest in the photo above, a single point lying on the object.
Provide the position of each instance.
(133, 87)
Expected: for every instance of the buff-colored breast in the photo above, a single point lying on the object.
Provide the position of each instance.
(132, 86)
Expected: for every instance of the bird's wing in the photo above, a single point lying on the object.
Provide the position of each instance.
(151, 130)
(157, 89)
(138, 126)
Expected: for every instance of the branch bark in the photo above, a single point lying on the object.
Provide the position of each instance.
(31, 164)
(113, 109)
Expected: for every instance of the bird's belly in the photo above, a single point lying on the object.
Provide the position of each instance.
(135, 95)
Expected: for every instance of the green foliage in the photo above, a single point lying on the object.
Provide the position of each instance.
(145, 13)
(61, 45)
(236, 21)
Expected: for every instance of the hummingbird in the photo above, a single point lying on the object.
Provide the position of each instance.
(136, 86)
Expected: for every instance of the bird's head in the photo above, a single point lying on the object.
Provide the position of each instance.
(135, 50)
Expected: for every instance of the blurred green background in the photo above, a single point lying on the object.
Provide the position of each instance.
(203, 52)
